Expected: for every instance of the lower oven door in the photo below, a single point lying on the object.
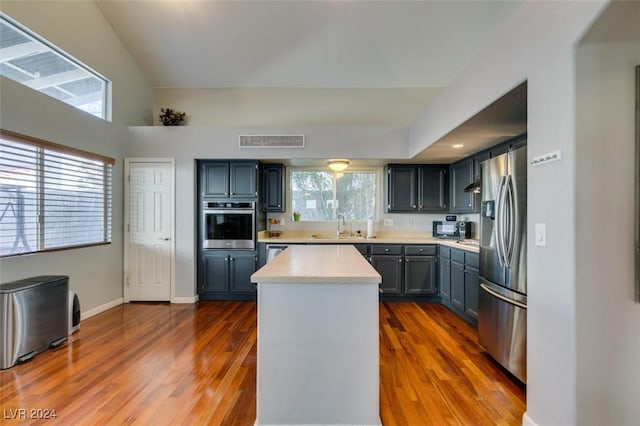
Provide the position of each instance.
(228, 229)
(502, 327)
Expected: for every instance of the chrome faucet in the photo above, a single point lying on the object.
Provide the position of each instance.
(339, 232)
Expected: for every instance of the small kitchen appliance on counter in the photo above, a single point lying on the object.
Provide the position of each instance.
(454, 230)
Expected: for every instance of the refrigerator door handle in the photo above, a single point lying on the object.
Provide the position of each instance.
(500, 221)
(501, 297)
(510, 227)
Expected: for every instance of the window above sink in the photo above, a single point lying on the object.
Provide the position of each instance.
(321, 195)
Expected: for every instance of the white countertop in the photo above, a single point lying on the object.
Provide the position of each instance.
(302, 238)
(326, 263)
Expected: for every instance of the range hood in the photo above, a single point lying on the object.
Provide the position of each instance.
(473, 187)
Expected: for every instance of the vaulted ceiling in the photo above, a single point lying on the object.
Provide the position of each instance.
(331, 44)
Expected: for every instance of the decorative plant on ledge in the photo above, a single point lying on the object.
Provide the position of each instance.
(171, 117)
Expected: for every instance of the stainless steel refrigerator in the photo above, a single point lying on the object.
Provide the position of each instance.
(502, 306)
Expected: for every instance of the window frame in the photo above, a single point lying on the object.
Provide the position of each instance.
(106, 91)
(378, 172)
(44, 148)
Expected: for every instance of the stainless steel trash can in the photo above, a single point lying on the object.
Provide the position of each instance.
(33, 317)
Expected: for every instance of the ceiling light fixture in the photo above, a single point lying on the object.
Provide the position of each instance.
(338, 165)
(458, 145)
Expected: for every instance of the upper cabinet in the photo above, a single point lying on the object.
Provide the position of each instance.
(273, 188)
(417, 188)
(462, 174)
(477, 165)
(229, 179)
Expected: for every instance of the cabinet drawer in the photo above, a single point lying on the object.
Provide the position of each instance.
(362, 248)
(386, 249)
(472, 260)
(457, 255)
(445, 252)
(426, 250)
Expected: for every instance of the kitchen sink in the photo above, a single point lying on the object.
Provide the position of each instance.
(469, 242)
(335, 237)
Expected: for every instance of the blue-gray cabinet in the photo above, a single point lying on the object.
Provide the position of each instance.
(464, 284)
(417, 188)
(420, 270)
(462, 174)
(444, 274)
(226, 274)
(273, 188)
(387, 260)
(407, 270)
(229, 179)
(214, 179)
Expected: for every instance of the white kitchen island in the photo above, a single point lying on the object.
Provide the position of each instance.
(318, 357)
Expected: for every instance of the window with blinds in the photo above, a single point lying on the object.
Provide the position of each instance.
(51, 196)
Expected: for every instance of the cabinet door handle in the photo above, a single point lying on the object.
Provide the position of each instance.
(413, 206)
(226, 259)
(232, 259)
(386, 250)
(399, 260)
(420, 207)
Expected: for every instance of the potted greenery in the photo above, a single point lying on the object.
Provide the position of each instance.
(171, 117)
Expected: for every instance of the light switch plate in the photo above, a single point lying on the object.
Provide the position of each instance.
(541, 234)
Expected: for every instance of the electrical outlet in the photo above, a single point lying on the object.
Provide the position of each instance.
(388, 222)
(281, 221)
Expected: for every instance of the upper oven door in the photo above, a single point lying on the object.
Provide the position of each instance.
(228, 229)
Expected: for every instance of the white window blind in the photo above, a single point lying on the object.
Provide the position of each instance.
(51, 196)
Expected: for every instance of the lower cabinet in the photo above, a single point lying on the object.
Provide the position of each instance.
(420, 275)
(390, 269)
(457, 285)
(227, 274)
(407, 271)
(471, 292)
(459, 282)
(444, 274)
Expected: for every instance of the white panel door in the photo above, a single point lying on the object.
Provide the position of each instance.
(150, 208)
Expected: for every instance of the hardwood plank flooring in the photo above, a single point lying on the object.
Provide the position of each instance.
(160, 364)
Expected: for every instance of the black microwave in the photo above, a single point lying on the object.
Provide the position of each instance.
(457, 230)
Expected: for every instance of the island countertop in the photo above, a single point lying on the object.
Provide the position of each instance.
(327, 263)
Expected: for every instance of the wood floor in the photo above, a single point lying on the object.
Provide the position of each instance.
(159, 364)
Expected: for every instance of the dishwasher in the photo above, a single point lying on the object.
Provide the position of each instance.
(273, 250)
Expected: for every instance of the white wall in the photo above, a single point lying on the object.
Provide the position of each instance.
(538, 45)
(296, 106)
(608, 320)
(96, 272)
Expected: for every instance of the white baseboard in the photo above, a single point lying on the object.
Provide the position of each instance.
(101, 308)
(193, 299)
(528, 421)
